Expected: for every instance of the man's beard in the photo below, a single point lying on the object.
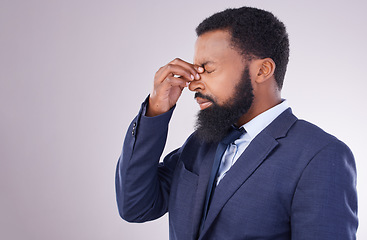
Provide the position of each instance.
(214, 122)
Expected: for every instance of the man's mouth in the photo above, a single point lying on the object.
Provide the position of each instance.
(203, 103)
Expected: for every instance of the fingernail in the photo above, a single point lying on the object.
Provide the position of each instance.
(201, 69)
(197, 76)
(192, 77)
(187, 84)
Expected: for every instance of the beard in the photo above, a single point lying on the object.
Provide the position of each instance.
(214, 122)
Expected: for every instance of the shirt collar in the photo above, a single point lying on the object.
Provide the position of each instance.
(261, 121)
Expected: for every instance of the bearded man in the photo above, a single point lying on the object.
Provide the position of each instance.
(251, 169)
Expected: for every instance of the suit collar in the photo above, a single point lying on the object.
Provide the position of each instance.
(281, 125)
(255, 154)
(261, 121)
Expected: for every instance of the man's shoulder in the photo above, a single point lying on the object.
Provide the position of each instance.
(310, 130)
(301, 133)
(313, 136)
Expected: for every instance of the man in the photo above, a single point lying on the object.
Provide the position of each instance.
(279, 178)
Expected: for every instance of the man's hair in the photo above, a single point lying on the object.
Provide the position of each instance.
(256, 33)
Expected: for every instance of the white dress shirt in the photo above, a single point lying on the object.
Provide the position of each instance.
(253, 128)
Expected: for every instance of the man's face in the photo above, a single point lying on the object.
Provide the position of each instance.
(223, 67)
(224, 91)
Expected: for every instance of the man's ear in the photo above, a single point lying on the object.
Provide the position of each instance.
(266, 68)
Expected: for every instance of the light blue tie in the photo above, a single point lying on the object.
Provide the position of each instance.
(226, 162)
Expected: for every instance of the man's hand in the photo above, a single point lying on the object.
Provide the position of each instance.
(169, 81)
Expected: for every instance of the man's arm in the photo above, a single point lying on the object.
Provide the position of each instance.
(325, 202)
(142, 184)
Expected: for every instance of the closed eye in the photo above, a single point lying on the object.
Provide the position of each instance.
(207, 71)
(210, 65)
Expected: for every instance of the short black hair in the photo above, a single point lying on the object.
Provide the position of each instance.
(256, 33)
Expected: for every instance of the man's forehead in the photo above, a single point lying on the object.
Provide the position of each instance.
(212, 48)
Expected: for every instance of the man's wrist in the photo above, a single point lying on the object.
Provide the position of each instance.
(150, 110)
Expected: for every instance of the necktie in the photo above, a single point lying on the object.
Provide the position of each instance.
(234, 134)
(226, 162)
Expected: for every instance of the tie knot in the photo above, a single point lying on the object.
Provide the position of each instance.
(234, 133)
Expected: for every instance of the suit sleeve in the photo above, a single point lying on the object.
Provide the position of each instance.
(142, 183)
(325, 201)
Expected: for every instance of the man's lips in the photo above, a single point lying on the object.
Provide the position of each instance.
(203, 103)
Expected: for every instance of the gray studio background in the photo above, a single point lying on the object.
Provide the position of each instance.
(73, 75)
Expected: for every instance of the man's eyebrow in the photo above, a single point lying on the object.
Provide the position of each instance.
(206, 63)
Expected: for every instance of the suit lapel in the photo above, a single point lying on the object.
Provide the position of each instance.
(204, 174)
(246, 165)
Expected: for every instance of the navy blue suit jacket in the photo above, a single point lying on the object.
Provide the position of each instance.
(294, 181)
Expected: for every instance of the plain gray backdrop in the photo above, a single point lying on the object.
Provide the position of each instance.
(73, 74)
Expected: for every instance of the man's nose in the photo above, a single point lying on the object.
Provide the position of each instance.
(197, 85)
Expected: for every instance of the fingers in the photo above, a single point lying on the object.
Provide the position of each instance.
(179, 68)
(177, 81)
(188, 67)
(178, 71)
